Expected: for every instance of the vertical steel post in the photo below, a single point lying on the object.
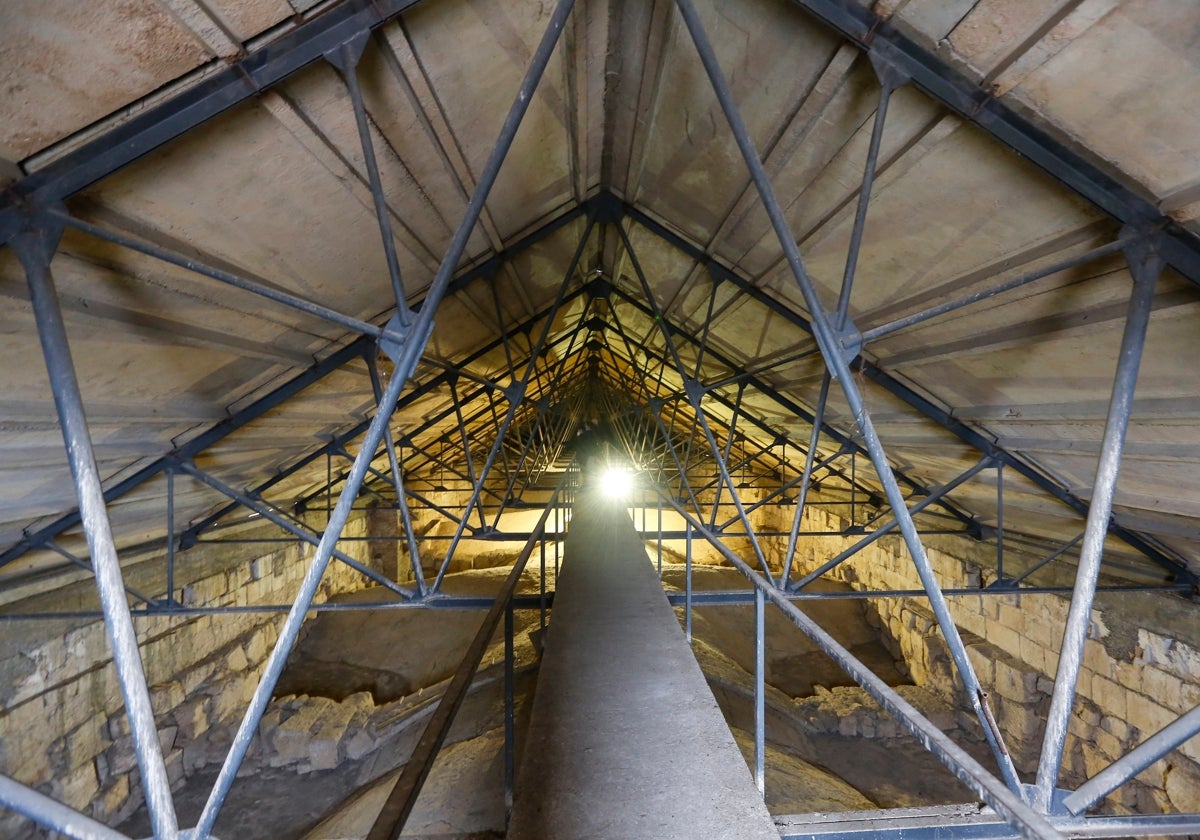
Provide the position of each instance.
(1144, 266)
(510, 773)
(291, 626)
(1000, 522)
(760, 690)
(170, 535)
(53, 814)
(1133, 762)
(835, 355)
(35, 248)
(806, 480)
(542, 593)
(658, 497)
(687, 596)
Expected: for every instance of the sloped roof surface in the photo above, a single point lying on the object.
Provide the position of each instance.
(623, 177)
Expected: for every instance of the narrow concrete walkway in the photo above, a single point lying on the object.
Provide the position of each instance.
(626, 740)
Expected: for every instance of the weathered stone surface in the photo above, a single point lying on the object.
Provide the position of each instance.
(1015, 680)
(292, 735)
(166, 696)
(191, 718)
(1183, 787)
(110, 798)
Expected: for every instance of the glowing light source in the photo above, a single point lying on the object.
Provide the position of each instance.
(616, 482)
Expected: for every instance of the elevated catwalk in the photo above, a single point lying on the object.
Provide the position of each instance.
(626, 740)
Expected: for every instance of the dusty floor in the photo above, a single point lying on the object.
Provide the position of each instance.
(341, 653)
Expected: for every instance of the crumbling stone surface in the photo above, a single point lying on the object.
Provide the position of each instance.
(63, 727)
(1140, 662)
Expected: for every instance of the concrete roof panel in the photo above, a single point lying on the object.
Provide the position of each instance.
(66, 64)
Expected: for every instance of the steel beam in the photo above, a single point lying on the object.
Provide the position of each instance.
(1145, 266)
(967, 822)
(978, 104)
(346, 57)
(52, 814)
(1008, 804)
(891, 526)
(827, 338)
(873, 372)
(399, 804)
(300, 532)
(35, 248)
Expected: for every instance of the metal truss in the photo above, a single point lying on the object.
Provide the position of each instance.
(403, 339)
(536, 429)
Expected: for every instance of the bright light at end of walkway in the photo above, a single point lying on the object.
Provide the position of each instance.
(616, 482)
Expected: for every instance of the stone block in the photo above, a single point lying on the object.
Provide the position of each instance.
(110, 799)
(193, 678)
(1079, 727)
(166, 738)
(328, 733)
(1033, 654)
(1147, 716)
(1015, 681)
(1109, 696)
(120, 757)
(193, 756)
(191, 718)
(1003, 637)
(1129, 675)
(1107, 743)
(1183, 787)
(293, 734)
(86, 742)
(1154, 649)
(175, 769)
(1155, 775)
(1016, 720)
(257, 646)
(1042, 633)
(1185, 659)
(236, 661)
(971, 620)
(1166, 689)
(1150, 800)
(982, 658)
(78, 787)
(360, 701)
(1097, 660)
(359, 744)
(1011, 616)
(1117, 727)
(166, 696)
(25, 747)
(1191, 749)
(118, 725)
(231, 702)
(322, 753)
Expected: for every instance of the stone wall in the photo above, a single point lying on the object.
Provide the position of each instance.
(63, 727)
(1141, 666)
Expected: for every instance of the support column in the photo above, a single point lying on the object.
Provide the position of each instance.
(35, 248)
(1145, 266)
